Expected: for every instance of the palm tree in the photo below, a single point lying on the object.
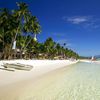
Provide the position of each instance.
(21, 15)
(26, 23)
(50, 46)
(33, 27)
(5, 29)
(18, 22)
(10, 26)
(58, 47)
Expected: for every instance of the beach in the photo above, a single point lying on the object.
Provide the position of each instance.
(11, 82)
(90, 61)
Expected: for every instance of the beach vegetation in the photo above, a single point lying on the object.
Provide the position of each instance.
(18, 37)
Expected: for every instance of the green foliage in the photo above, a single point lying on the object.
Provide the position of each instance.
(12, 26)
(50, 49)
(15, 23)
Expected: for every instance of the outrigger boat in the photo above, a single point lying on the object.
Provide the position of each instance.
(18, 66)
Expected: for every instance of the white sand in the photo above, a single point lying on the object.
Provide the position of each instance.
(86, 60)
(39, 67)
(90, 61)
(20, 84)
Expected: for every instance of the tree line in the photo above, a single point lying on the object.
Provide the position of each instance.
(18, 31)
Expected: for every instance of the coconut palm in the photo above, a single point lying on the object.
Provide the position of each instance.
(5, 29)
(33, 27)
(26, 23)
(20, 28)
(22, 16)
(58, 47)
(50, 46)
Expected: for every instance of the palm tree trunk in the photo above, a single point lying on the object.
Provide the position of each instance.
(27, 44)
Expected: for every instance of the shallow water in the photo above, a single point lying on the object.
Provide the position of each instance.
(77, 82)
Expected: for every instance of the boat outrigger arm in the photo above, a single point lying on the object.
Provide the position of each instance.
(18, 66)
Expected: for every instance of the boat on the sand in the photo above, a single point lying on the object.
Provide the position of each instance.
(18, 66)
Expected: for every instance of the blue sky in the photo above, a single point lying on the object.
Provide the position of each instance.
(75, 22)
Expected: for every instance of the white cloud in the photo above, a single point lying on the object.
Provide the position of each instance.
(85, 21)
(77, 19)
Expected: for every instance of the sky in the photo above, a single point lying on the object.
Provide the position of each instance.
(74, 22)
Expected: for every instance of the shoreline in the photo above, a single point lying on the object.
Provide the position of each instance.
(39, 67)
(90, 61)
(26, 85)
(20, 84)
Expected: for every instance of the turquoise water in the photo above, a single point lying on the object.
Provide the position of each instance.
(98, 59)
(76, 82)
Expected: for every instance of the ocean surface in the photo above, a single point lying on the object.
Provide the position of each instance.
(80, 81)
